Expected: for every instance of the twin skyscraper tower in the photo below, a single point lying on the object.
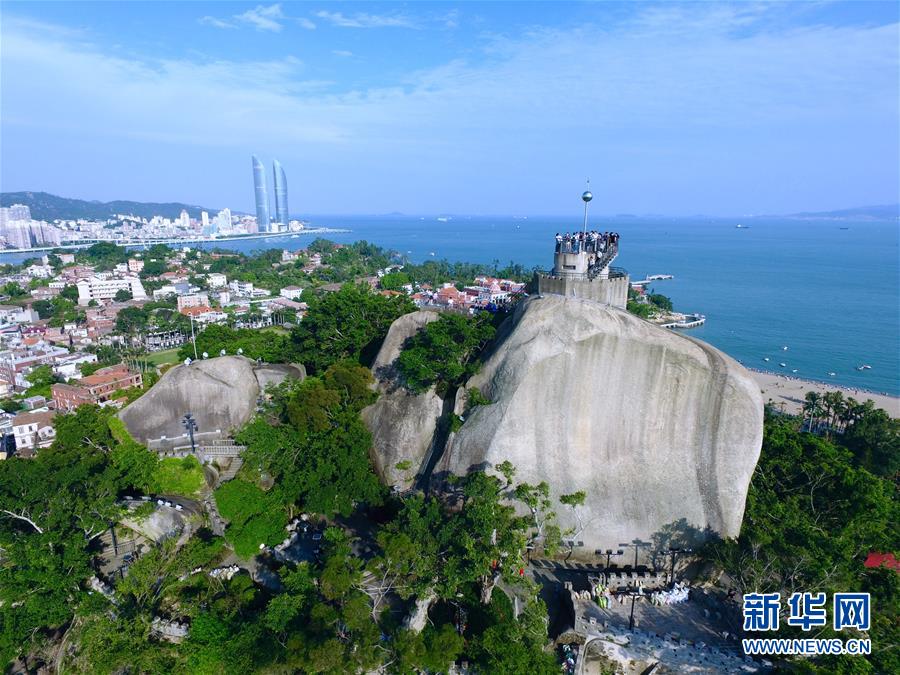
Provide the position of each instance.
(263, 221)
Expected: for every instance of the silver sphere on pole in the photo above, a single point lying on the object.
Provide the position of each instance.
(587, 196)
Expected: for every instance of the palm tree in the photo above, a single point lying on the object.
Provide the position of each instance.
(833, 401)
(812, 407)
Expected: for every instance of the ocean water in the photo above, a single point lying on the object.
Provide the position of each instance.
(829, 291)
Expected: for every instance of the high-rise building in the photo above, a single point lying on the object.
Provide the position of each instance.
(14, 212)
(281, 195)
(185, 219)
(223, 221)
(262, 196)
(204, 219)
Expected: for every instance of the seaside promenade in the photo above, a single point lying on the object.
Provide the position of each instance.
(790, 391)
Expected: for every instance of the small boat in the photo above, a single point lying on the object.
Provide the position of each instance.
(832, 374)
(783, 365)
(765, 358)
(431, 254)
(784, 348)
(794, 370)
(865, 367)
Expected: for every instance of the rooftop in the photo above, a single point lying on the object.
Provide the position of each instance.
(43, 418)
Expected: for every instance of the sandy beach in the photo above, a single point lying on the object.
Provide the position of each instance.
(791, 391)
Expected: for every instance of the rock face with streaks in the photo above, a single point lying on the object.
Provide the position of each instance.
(653, 426)
(403, 424)
(221, 393)
(662, 432)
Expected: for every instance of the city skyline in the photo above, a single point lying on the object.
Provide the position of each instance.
(722, 109)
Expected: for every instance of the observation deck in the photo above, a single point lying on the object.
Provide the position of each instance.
(582, 269)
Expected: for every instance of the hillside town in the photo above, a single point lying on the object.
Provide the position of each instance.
(89, 327)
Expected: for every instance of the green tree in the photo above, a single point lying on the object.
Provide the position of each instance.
(122, 295)
(51, 508)
(445, 351)
(40, 378)
(70, 293)
(394, 281)
(349, 324)
(44, 308)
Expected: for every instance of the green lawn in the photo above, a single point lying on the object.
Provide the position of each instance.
(178, 476)
(161, 358)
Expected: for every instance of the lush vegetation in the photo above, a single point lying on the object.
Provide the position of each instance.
(255, 344)
(445, 351)
(182, 476)
(655, 304)
(41, 380)
(348, 324)
(255, 517)
(814, 512)
(314, 443)
(53, 508)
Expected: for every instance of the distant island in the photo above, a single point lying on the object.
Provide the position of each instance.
(883, 212)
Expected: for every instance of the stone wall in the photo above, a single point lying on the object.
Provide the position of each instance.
(612, 292)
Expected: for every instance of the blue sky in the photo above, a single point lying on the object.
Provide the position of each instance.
(480, 108)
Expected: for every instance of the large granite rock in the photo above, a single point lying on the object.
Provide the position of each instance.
(402, 424)
(221, 393)
(655, 427)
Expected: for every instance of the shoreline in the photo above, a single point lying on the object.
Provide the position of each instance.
(176, 241)
(790, 391)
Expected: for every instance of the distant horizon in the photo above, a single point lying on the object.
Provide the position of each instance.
(451, 214)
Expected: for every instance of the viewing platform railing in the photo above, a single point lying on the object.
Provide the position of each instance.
(614, 273)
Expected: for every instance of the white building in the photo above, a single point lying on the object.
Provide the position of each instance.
(193, 300)
(135, 265)
(216, 280)
(291, 292)
(99, 289)
(39, 271)
(244, 288)
(33, 430)
(69, 367)
(14, 314)
(223, 221)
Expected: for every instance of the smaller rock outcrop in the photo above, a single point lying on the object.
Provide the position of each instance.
(221, 393)
(403, 424)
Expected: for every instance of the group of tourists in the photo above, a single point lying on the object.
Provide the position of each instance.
(675, 596)
(587, 242)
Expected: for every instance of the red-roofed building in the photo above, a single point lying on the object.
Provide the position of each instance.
(97, 388)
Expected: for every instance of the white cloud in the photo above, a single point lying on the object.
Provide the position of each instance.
(561, 98)
(263, 17)
(215, 23)
(450, 19)
(341, 52)
(303, 22)
(363, 20)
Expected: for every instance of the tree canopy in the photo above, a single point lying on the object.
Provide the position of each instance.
(348, 324)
